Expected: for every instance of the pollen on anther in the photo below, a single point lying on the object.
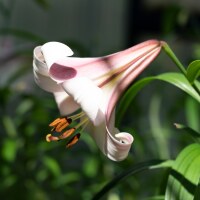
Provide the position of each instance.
(48, 137)
(67, 133)
(60, 123)
(60, 120)
(73, 141)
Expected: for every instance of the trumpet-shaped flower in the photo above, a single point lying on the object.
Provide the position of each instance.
(94, 85)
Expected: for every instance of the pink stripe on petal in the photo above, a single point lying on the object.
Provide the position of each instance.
(61, 73)
(95, 68)
(127, 78)
(88, 67)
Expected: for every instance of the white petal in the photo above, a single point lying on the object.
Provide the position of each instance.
(115, 146)
(118, 143)
(88, 96)
(46, 83)
(118, 147)
(39, 64)
(66, 104)
(54, 51)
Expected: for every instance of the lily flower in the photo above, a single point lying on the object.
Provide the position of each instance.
(94, 85)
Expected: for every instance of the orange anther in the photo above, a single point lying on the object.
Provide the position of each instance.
(67, 133)
(73, 141)
(55, 122)
(60, 123)
(50, 138)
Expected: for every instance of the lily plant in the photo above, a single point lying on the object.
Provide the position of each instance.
(87, 90)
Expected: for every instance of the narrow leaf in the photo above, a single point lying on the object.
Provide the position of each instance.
(195, 135)
(156, 198)
(197, 192)
(9, 150)
(175, 79)
(184, 175)
(52, 165)
(193, 71)
(153, 164)
(192, 112)
(181, 82)
(9, 126)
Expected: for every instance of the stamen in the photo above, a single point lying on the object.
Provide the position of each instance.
(60, 123)
(73, 141)
(77, 116)
(50, 138)
(55, 122)
(83, 121)
(67, 133)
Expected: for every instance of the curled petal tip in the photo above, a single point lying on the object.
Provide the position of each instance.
(124, 138)
(95, 85)
(118, 149)
(54, 51)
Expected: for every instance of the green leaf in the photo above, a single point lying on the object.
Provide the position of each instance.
(52, 165)
(193, 71)
(24, 107)
(9, 126)
(197, 192)
(156, 198)
(153, 164)
(175, 79)
(192, 112)
(9, 150)
(184, 175)
(90, 166)
(181, 82)
(129, 96)
(5, 94)
(195, 135)
(67, 178)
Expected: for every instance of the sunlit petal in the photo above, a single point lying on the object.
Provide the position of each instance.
(54, 51)
(94, 85)
(88, 96)
(65, 103)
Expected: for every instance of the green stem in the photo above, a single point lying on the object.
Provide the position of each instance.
(171, 54)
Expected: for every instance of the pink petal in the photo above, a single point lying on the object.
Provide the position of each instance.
(94, 68)
(127, 77)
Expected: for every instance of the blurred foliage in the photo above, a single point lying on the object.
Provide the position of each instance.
(33, 169)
